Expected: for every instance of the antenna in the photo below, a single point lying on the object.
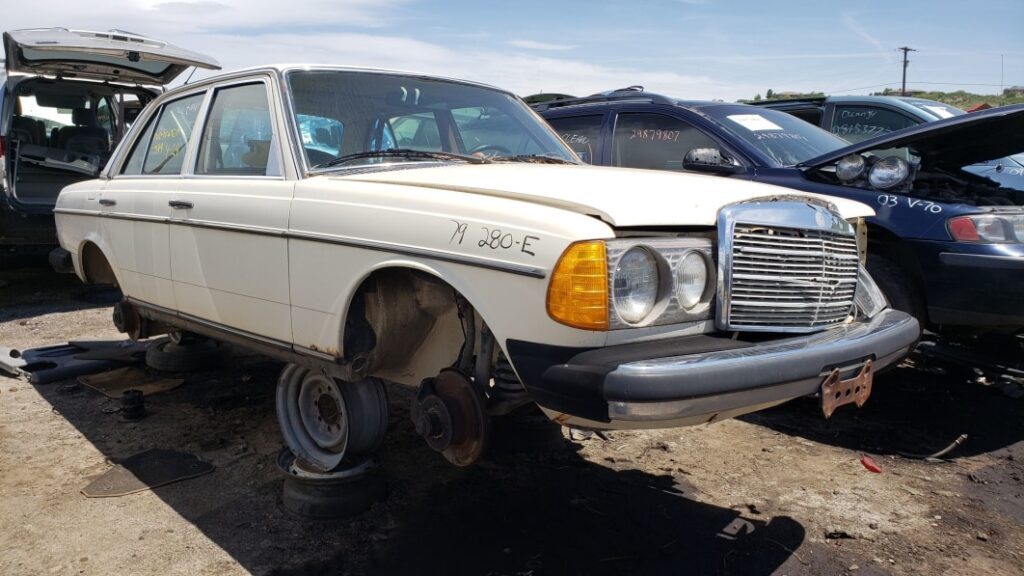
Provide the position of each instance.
(194, 68)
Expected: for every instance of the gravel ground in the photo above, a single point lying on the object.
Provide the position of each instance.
(778, 492)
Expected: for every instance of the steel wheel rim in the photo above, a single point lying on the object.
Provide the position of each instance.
(323, 412)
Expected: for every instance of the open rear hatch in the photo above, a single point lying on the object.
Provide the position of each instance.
(64, 124)
(113, 55)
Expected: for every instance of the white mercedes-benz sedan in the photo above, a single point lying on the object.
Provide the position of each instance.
(368, 226)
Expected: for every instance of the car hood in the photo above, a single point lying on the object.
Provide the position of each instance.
(113, 55)
(954, 142)
(621, 197)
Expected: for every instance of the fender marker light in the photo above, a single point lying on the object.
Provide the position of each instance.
(578, 292)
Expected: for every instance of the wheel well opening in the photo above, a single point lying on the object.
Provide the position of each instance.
(95, 267)
(404, 325)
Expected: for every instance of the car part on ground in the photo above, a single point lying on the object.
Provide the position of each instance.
(340, 493)
(325, 421)
(144, 471)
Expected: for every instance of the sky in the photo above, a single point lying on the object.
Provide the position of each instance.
(699, 49)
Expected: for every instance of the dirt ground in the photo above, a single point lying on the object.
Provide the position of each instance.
(778, 492)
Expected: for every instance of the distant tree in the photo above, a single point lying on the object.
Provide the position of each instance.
(757, 98)
(769, 94)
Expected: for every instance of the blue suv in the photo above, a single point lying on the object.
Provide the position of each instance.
(946, 244)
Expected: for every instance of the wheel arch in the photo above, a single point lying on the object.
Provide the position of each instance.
(95, 266)
(402, 322)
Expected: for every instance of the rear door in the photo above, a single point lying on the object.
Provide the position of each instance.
(136, 199)
(583, 133)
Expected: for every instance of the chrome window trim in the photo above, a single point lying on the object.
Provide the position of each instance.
(782, 212)
(275, 146)
(153, 109)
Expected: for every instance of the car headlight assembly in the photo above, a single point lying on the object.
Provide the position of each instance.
(635, 284)
(868, 297)
(691, 279)
(850, 167)
(888, 173)
(628, 283)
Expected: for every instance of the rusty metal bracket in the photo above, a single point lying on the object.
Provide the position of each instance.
(836, 392)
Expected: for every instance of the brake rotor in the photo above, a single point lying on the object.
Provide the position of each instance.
(450, 413)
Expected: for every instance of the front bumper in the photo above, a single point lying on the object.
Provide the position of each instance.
(698, 379)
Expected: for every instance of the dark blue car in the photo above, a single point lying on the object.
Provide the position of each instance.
(946, 245)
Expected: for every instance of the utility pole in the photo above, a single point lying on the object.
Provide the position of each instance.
(903, 89)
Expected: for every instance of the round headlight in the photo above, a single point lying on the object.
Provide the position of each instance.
(691, 280)
(635, 285)
(850, 167)
(888, 173)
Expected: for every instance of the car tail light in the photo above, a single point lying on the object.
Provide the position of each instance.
(578, 292)
(988, 228)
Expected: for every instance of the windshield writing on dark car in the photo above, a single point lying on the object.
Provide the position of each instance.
(781, 139)
(355, 115)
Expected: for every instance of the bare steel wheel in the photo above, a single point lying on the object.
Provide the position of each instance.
(325, 420)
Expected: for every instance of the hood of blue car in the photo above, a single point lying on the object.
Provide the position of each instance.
(953, 142)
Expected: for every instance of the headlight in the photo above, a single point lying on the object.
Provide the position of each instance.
(888, 173)
(635, 285)
(850, 167)
(868, 298)
(691, 279)
(648, 281)
(995, 228)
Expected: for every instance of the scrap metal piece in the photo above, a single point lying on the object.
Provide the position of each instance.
(133, 405)
(144, 471)
(114, 383)
(52, 363)
(11, 361)
(836, 392)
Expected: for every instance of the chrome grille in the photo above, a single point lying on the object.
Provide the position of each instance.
(790, 278)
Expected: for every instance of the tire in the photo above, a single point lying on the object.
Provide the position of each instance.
(327, 422)
(167, 356)
(902, 292)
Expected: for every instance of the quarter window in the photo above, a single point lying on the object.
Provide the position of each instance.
(655, 141)
(238, 137)
(161, 148)
(857, 123)
(582, 134)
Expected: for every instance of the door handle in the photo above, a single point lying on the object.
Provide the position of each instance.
(107, 202)
(179, 204)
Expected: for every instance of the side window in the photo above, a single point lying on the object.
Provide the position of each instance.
(857, 123)
(105, 115)
(238, 137)
(655, 141)
(319, 134)
(161, 148)
(417, 131)
(582, 134)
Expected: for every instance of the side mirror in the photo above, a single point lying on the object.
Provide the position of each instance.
(710, 160)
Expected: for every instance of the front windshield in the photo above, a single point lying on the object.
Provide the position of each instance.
(352, 114)
(781, 139)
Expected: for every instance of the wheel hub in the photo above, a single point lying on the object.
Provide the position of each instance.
(450, 413)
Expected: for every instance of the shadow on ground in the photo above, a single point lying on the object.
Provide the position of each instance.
(29, 287)
(910, 411)
(534, 507)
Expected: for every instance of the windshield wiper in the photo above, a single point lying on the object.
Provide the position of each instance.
(534, 158)
(401, 153)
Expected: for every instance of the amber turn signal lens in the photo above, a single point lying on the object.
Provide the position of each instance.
(578, 292)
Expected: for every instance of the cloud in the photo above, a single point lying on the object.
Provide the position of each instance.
(533, 45)
(856, 28)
